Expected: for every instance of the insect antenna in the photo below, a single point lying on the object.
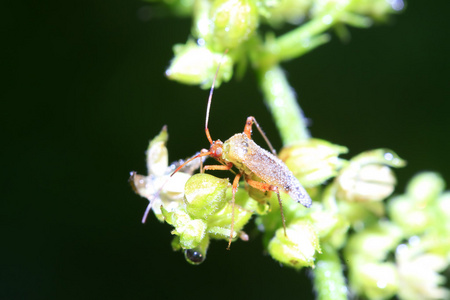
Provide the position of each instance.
(208, 108)
(202, 153)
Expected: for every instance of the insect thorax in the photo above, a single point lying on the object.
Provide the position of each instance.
(236, 149)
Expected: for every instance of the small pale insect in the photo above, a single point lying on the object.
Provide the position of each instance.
(252, 161)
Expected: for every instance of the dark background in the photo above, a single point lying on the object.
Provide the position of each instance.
(84, 91)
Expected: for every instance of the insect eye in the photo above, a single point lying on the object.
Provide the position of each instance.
(194, 256)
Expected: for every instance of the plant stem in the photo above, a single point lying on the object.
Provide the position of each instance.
(329, 281)
(280, 98)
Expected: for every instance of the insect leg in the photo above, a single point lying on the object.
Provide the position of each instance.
(248, 132)
(268, 187)
(226, 167)
(235, 187)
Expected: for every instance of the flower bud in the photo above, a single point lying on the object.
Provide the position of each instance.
(377, 9)
(205, 195)
(233, 22)
(443, 219)
(425, 187)
(192, 233)
(367, 177)
(291, 11)
(374, 280)
(219, 224)
(375, 242)
(298, 248)
(313, 161)
(331, 227)
(412, 218)
(365, 253)
(194, 64)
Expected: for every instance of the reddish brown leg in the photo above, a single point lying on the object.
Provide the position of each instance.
(226, 167)
(235, 187)
(248, 132)
(268, 187)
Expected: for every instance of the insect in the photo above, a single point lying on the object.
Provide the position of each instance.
(253, 162)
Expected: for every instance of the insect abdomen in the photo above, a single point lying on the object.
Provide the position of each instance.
(251, 158)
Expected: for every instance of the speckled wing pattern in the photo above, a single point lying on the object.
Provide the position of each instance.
(273, 171)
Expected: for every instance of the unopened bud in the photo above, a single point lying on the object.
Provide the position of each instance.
(194, 64)
(425, 187)
(375, 242)
(205, 195)
(412, 218)
(313, 161)
(330, 226)
(377, 9)
(291, 11)
(298, 248)
(368, 177)
(374, 280)
(219, 224)
(190, 231)
(233, 21)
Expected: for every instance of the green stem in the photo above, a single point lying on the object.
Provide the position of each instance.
(329, 281)
(285, 110)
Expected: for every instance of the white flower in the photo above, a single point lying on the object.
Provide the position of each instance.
(159, 187)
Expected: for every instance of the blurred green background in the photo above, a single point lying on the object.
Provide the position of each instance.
(83, 93)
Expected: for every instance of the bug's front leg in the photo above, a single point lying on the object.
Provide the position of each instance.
(226, 167)
(235, 187)
(268, 187)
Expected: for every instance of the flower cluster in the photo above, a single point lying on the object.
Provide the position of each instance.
(391, 246)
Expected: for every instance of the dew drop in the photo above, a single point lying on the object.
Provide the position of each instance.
(194, 256)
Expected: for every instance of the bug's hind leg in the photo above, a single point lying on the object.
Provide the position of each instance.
(268, 187)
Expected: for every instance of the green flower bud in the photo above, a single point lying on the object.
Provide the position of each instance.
(425, 188)
(205, 195)
(374, 280)
(233, 22)
(365, 252)
(178, 218)
(443, 218)
(377, 9)
(367, 177)
(291, 11)
(330, 226)
(219, 224)
(192, 233)
(298, 248)
(314, 161)
(374, 243)
(194, 64)
(412, 218)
